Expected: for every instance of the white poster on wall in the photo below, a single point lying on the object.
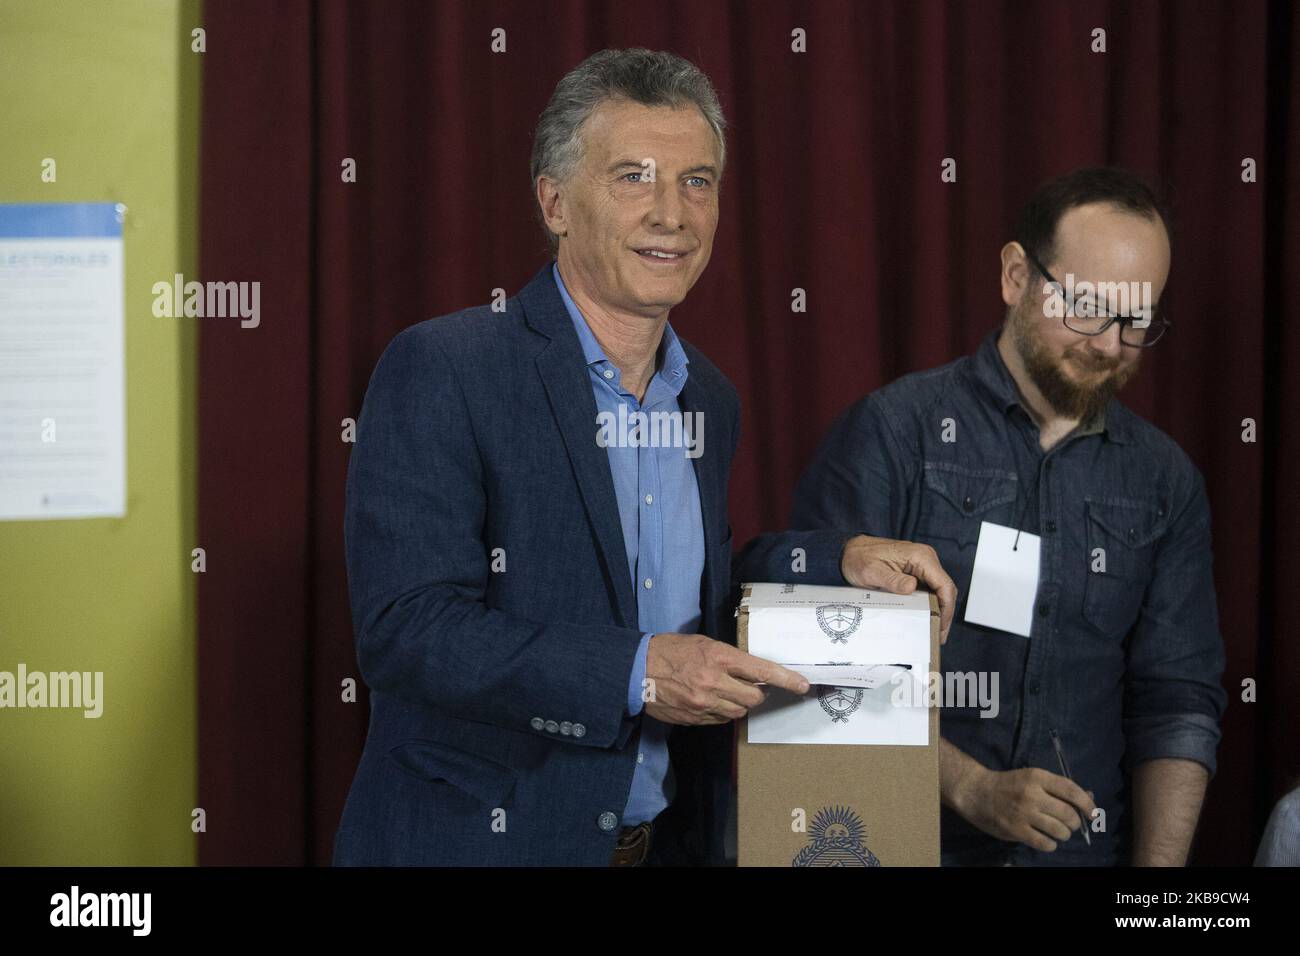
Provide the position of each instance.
(62, 364)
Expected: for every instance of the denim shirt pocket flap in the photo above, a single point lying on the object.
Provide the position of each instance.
(486, 780)
(1126, 528)
(965, 498)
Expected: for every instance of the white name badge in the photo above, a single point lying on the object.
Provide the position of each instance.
(1005, 580)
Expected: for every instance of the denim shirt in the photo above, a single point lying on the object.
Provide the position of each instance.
(1124, 657)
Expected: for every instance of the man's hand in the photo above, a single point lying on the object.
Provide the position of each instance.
(897, 566)
(697, 680)
(1033, 806)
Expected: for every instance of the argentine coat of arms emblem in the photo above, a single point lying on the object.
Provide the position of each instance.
(838, 621)
(836, 837)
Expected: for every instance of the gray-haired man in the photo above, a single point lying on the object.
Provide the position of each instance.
(541, 601)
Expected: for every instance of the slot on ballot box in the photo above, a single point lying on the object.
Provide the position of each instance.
(847, 774)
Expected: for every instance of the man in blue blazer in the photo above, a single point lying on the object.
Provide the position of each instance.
(539, 556)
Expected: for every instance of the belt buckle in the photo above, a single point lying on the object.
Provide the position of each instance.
(633, 845)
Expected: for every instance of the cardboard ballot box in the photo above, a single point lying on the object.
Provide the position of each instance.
(848, 774)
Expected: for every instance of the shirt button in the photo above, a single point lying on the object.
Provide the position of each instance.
(968, 505)
(579, 730)
(649, 499)
(649, 583)
(566, 727)
(537, 723)
(1132, 534)
(552, 726)
(1044, 610)
(640, 758)
(1033, 688)
(607, 821)
(1051, 527)
(608, 373)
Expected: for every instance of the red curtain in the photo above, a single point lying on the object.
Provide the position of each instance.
(833, 186)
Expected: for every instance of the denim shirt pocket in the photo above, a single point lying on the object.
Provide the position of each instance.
(1122, 536)
(956, 499)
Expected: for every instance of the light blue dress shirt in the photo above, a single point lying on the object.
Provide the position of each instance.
(1280, 845)
(663, 534)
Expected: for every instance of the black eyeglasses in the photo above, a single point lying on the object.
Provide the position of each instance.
(1086, 322)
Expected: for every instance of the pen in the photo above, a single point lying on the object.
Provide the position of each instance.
(1065, 772)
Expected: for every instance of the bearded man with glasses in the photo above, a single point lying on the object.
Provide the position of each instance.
(1078, 535)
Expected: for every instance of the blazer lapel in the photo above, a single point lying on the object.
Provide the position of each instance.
(710, 475)
(563, 371)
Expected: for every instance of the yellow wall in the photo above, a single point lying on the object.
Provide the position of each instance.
(110, 90)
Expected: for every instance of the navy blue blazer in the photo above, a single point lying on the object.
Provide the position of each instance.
(493, 608)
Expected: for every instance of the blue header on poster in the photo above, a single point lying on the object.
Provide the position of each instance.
(61, 220)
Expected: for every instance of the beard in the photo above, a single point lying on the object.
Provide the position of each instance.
(1068, 398)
